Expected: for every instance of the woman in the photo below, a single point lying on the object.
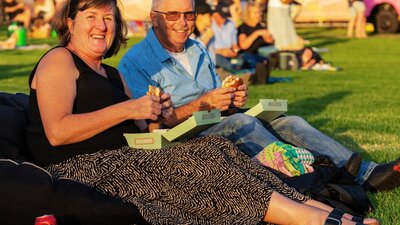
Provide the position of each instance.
(78, 110)
(357, 22)
(281, 26)
(251, 36)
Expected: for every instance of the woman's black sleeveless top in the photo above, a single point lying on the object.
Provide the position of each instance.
(93, 92)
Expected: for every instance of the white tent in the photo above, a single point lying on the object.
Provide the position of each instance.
(135, 10)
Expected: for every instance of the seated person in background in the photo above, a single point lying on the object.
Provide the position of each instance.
(80, 108)
(40, 28)
(311, 60)
(235, 9)
(202, 31)
(43, 14)
(18, 12)
(44, 9)
(10, 43)
(252, 36)
(224, 43)
(181, 66)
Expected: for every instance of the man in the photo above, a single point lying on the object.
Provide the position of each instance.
(182, 67)
(224, 44)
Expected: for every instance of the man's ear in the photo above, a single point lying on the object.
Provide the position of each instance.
(153, 17)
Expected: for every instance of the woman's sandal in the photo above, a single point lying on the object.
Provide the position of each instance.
(335, 218)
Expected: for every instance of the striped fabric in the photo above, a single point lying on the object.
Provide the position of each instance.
(204, 181)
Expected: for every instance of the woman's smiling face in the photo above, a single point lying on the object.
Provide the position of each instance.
(93, 30)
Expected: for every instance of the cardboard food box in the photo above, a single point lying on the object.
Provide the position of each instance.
(195, 124)
(268, 109)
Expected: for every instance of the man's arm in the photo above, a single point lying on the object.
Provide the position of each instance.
(136, 79)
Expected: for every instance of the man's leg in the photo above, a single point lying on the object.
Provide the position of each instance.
(246, 132)
(297, 131)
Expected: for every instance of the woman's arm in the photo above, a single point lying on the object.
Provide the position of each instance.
(55, 84)
(12, 9)
(245, 41)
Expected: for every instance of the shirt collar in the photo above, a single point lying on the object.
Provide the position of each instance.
(160, 52)
(156, 46)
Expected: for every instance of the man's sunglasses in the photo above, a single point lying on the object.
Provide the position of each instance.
(174, 15)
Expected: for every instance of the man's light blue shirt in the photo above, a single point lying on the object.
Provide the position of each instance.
(224, 36)
(148, 63)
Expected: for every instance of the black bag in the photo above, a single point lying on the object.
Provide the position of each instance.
(332, 186)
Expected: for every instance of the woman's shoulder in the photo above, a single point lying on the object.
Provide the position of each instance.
(58, 55)
(58, 58)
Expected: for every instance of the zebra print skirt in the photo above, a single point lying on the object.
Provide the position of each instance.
(204, 181)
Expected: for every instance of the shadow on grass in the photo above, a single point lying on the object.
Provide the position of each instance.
(309, 107)
(14, 70)
(330, 41)
(322, 37)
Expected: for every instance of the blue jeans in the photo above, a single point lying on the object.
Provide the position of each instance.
(251, 136)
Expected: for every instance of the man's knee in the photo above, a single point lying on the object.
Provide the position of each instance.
(290, 122)
(240, 118)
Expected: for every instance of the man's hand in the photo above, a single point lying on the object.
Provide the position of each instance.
(219, 98)
(167, 106)
(240, 96)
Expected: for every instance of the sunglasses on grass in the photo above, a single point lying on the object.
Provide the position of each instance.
(175, 15)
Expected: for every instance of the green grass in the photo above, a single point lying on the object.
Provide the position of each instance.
(358, 106)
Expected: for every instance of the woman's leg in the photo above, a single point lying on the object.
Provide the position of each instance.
(284, 211)
(351, 24)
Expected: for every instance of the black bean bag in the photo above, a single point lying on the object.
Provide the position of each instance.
(28, 191)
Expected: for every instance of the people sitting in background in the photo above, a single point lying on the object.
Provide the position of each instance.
(44, 9)
(309, 59)
(235, 9)
(202, 31)
(78, 137)
(43, 15)
(357, 22)
(224, 43)
(40, 28)
(18, 12)
(181, 66)
(10, 43)
(252, 36)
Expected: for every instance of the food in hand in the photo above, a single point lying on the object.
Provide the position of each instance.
(154, 91)
(232, 81)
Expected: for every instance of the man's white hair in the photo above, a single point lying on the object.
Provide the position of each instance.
(155, 4)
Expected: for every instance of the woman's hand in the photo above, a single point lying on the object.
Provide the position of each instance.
(146, 107)
(266, 35)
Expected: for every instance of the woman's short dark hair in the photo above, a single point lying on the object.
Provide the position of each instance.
(71, 8)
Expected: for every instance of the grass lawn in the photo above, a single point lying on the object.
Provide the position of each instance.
(358, 106)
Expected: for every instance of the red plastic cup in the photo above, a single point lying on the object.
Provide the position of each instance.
(46, 220)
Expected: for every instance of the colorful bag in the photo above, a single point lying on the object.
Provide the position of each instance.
(290, 160)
